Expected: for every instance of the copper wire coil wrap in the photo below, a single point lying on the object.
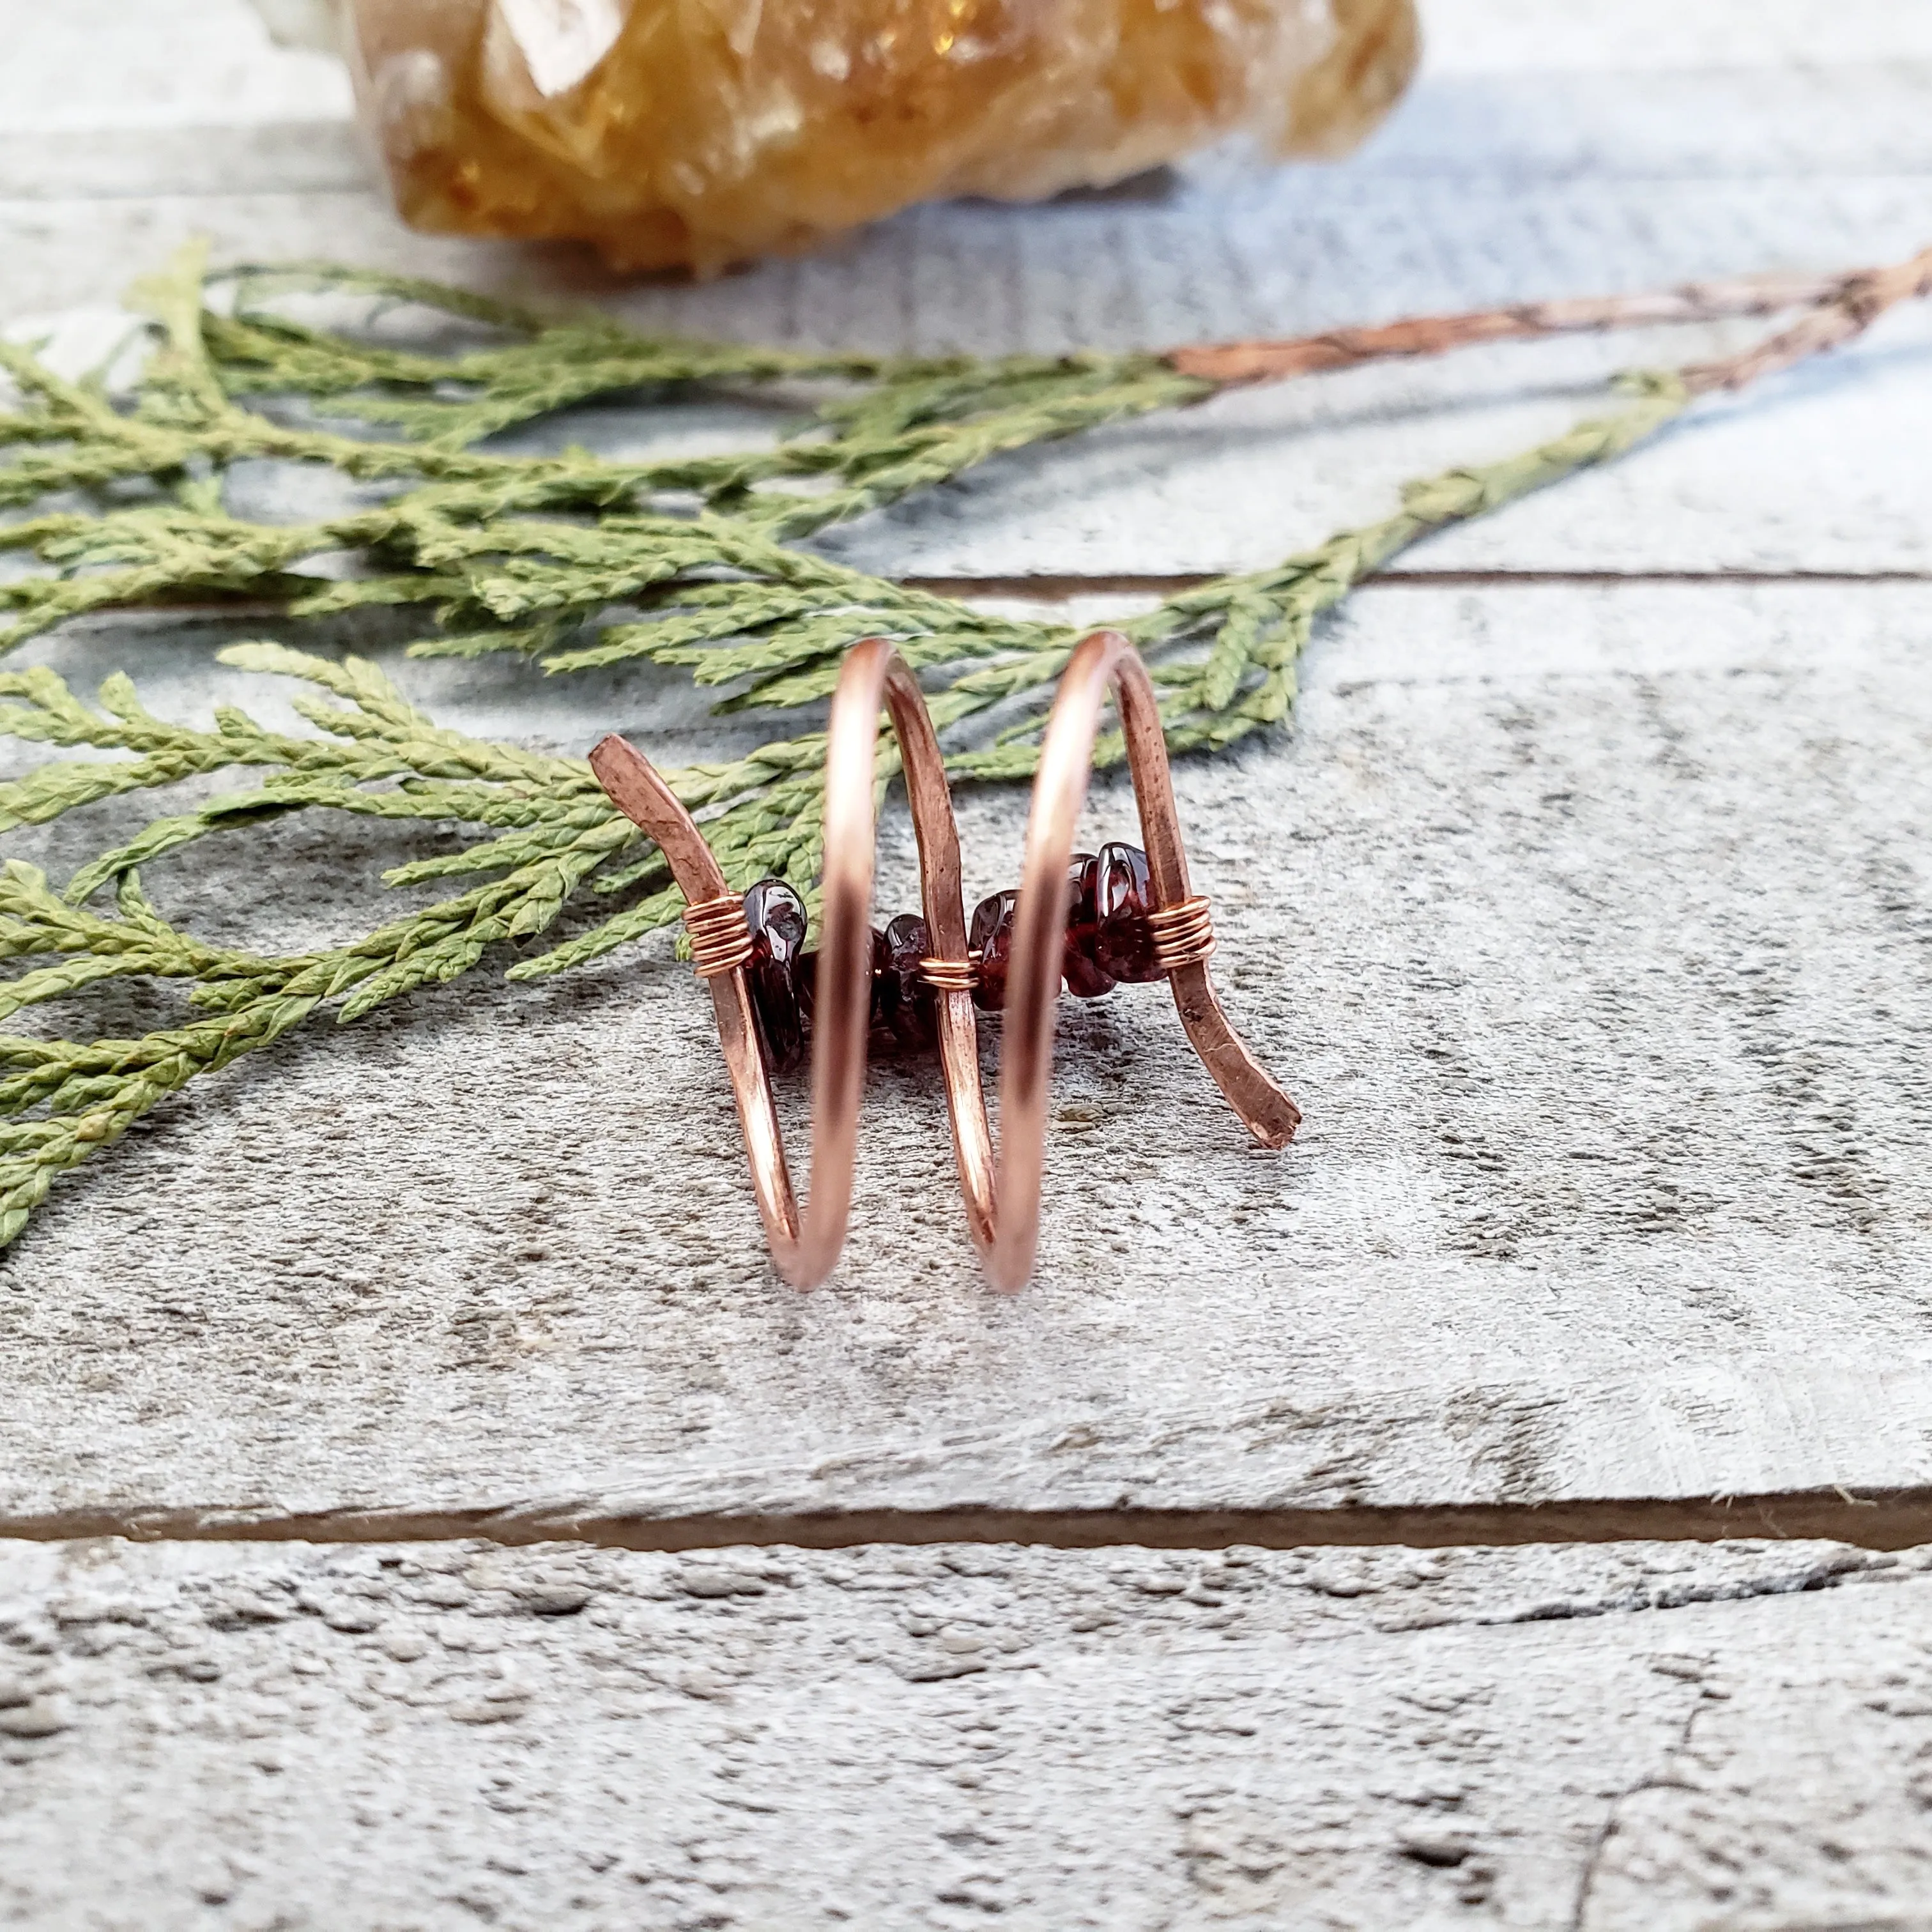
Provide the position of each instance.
(1184, 934)
(720, 940)
(950, 975)
(1002, 1191)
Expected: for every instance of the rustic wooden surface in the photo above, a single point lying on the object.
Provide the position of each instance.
(1670, 1737)
(1585, 912)
(1585, 920)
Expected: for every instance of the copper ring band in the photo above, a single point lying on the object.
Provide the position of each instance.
(1101, 664)
(1184, 934)
(805, 1244)
(950, 975)
(1003, 1211)
(720, 941)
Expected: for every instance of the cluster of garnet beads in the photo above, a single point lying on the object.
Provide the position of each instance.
(1110, 940)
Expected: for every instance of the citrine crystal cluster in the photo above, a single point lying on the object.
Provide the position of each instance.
(706, 132)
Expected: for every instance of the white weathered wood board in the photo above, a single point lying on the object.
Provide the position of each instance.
(1588, 924)
(1588, 919)
(1647, 1739)
(1471, 195)
(1827, 469)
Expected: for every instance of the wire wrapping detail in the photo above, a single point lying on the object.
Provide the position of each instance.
(1184, 934)
(1002, 1191)
(720, 939)
(950, 975)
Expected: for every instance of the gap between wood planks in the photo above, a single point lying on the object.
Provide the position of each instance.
(1885, 1520)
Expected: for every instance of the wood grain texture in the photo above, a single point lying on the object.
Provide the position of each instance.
(1589, 920)
(1626, 154)
(1587, 924)
(89, 64)
(1646, 37)
(1252, 478)
(1821, 471)
(284, 133)
(436, 1736)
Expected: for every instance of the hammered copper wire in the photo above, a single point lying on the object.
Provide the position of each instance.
(1102, 662)
(636, 789)
(805, 1246)
(1003, 1213)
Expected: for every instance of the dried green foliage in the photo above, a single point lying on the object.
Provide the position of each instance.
(575, 560)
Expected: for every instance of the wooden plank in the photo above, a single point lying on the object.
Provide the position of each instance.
(1728, 119)
(1821, 472)
(176, 97)
(88, 64)
(426, 1735)
(1405, 226)
(1586, 922)
(318, 155)
(65, 252)
(1650, 36)
(1297, 251)
(1742, 123)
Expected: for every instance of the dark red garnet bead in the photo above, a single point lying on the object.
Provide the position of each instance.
(1084, 979)
(990, 936)
(806, 979)
(912, 1019)
(1109, 938)
(883, 999)
(885, 996)
(776, 915)
(1124, 946)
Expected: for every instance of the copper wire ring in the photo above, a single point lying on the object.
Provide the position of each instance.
(805, 1244)
(1184, 934)
(1002, 1193)
(721, 941)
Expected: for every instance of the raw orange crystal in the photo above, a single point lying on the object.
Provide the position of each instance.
(704, 132)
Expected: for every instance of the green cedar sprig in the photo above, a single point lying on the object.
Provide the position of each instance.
(575, 560)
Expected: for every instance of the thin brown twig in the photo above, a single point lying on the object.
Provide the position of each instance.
(1862, 299)
(1230, 364)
